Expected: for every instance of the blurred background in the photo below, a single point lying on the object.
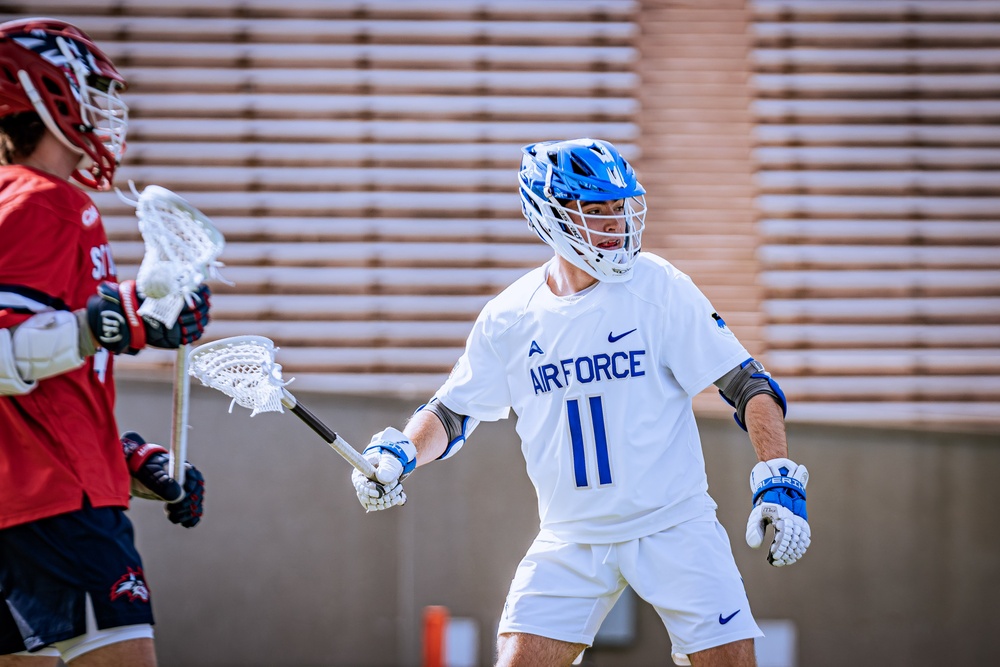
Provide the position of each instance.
(828, 172)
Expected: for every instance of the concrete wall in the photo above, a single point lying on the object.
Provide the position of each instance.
(287, 570)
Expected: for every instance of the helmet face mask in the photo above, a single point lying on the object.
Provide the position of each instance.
(558, 179)
(52, 68)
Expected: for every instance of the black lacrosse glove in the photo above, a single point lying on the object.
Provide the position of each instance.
(190, 323)
(149, 465)
(114, 319)
(189, 509)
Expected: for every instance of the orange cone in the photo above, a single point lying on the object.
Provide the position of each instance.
(435, 626)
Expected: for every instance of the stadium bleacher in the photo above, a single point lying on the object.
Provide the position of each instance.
(360, 157)
(877, 151)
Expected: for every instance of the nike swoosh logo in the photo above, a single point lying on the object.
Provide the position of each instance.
(725, 620)
(613, 338)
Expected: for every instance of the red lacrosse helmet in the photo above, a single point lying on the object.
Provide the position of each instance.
(52, 68)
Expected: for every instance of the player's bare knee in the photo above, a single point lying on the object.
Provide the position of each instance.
(25, 659)
(518, 649)
(734, 654)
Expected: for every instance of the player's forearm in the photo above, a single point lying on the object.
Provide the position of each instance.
(86, 339)
(428, 435)
(766, 426)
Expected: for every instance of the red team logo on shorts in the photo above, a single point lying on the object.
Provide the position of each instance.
(131, 584)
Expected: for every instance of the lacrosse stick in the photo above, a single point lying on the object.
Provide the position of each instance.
(182, 250)
(243, 368)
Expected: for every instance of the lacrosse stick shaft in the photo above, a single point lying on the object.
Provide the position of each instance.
(178, 431)
(338, 444)
(182, 246)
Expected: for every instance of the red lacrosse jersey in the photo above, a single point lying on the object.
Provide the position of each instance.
(59, 443)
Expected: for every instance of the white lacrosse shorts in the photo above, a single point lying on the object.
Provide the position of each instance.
(564, 590)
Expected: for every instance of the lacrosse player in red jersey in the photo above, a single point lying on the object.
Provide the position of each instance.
(599, 353)
(66, 545)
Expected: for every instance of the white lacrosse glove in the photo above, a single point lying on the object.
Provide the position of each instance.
(779, 496)
(394, 458)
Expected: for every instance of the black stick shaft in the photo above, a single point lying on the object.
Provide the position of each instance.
(314, 423)
(338, 444)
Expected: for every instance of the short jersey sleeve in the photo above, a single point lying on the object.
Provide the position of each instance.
(39, 252)
(478, 386)
(698, 346)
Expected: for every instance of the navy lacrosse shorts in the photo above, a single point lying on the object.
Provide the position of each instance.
(49, 566)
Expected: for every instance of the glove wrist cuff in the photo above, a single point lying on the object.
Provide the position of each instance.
(393, 441)
(398, 449)
(780, 482)
(136, 454)
(130, 305)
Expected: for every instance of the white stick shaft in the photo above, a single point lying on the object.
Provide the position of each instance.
(338, 444)
(178, 432)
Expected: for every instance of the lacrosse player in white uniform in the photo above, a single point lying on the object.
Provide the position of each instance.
(599, 353)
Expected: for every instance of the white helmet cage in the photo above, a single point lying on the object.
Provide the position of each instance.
(558, 179)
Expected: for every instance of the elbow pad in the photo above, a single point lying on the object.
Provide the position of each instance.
(43, 346)
(11, 381)
(457, 427)
(750, 380)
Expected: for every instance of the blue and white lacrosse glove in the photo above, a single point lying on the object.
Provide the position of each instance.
(394, 458)
(779, 497)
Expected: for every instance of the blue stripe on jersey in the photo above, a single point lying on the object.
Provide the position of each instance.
(576, 437)
(601, 440)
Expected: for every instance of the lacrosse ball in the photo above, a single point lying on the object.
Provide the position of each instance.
(158, 281)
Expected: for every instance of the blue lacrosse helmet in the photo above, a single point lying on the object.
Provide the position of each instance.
(557, 178)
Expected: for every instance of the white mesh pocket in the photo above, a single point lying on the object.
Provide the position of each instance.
(243, 368)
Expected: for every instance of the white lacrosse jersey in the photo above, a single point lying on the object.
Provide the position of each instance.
(601, 383)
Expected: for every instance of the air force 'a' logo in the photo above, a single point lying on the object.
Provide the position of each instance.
(131, 585)
(535, 349)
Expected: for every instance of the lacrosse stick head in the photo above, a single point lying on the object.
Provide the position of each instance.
(243, 368)
(182, 250)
